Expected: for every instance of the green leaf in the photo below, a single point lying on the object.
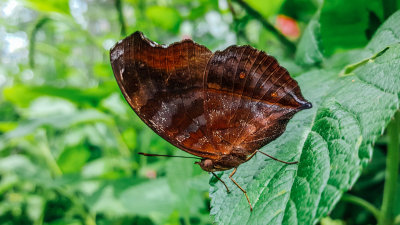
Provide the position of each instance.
(332, 141)
(7, 126)
(179, 174)
(156, 198)
(153, 197)
(73, 159)
(49, 6)
(301, 10)
(387, 34)
(130, 138)
(22, 95)
(309, 49)
(165, 17)
(332, 31)
(266, 10)
(56, 121)
(344, 28)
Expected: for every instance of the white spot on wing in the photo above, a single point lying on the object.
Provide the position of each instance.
(163, 117)
(121, 72)
(117, 53)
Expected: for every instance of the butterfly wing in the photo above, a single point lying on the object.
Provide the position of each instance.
(164, 86)
(249, 99)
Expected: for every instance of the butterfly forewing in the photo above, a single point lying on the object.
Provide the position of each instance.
(164, 86)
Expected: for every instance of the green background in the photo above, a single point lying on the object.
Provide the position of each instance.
(69, 141)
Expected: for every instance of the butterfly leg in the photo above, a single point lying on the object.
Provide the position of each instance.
(251, 156)
(276, 158)
(244, 191)
(227, 189)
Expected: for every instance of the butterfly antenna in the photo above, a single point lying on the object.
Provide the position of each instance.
(276, 158)
(172, 156)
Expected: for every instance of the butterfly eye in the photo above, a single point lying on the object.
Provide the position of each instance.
(207, 164)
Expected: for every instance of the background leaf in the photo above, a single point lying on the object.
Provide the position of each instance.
(348, 29)
(309, 50)
(49, 6)
(165, 17)
(273, 6)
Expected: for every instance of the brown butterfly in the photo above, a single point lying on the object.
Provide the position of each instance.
(222, 107)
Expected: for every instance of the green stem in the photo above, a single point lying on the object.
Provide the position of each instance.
(124, 149)
(349, 69)
(363, 203)
(389, 7)
(48, 156)
(121, 19)
(267, 25)
(391, 174)
(236, 23)
(32, 40)
(186, 219)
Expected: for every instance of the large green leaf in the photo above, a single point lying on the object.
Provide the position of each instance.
(344, 28)
(332, 141)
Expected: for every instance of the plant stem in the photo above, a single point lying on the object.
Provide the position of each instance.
(121, 19)
(124, 149)
(391, 174)
(48, 156)
(267, 25)
(32, 40)
(186, 219)
(389, 7)
(363, 203)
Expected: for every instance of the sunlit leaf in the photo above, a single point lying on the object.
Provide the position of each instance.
(73, 159)
(49, 6)
(266, 8)
(165, 17)
(7, 126)
(23, 95)
(130, 138)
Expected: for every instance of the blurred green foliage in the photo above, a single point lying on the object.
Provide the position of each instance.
(68, 139)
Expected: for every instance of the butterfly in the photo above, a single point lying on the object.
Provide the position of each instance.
(221, 107)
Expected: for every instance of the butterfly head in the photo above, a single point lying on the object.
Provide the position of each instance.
(225, 162)
(207, 165)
